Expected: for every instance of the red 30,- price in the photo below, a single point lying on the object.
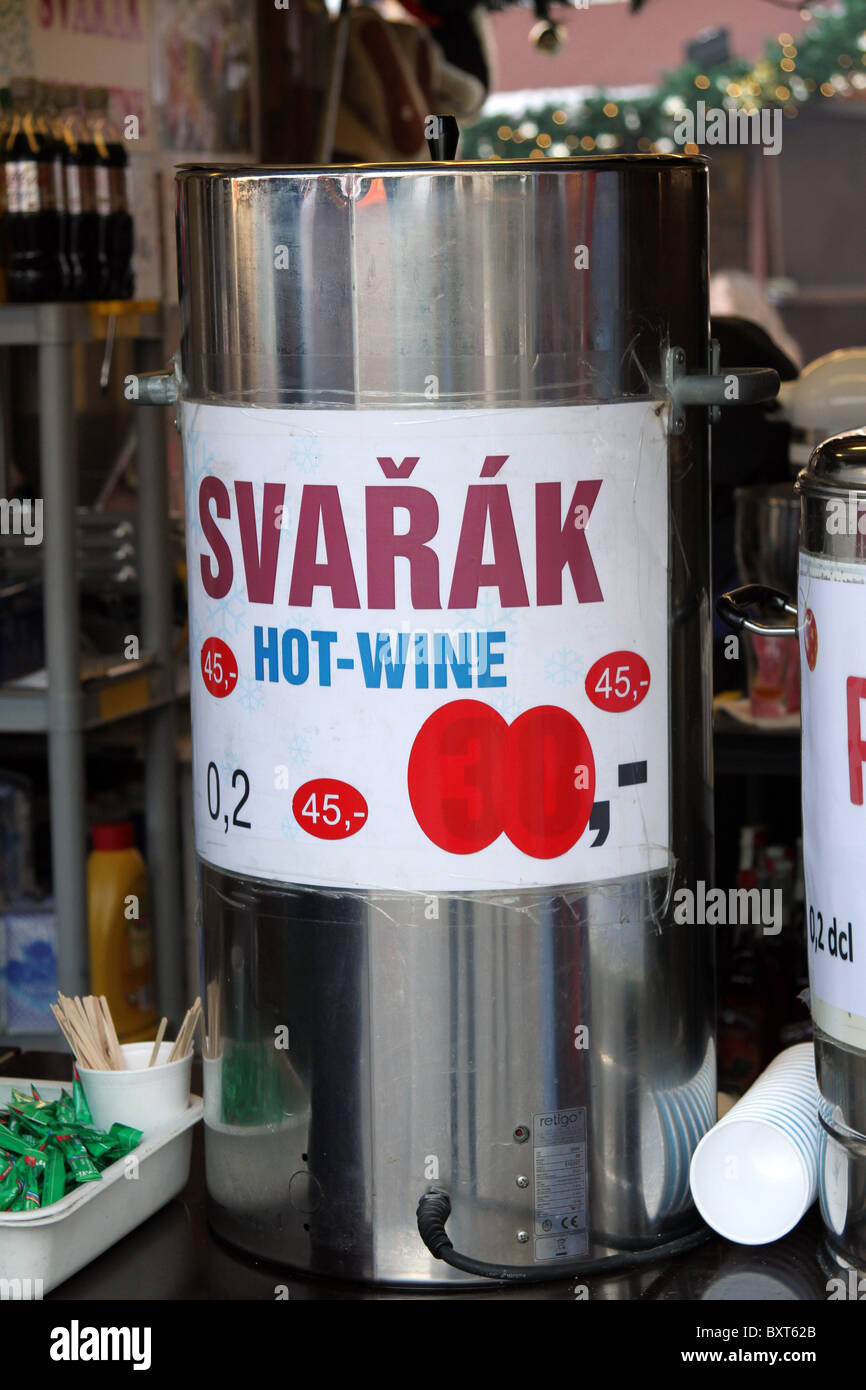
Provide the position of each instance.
(473, 776)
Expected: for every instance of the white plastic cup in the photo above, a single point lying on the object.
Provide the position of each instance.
(755, 1174)
(147, 1098)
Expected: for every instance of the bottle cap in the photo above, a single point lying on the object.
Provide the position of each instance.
(96, 98)
(113, 835)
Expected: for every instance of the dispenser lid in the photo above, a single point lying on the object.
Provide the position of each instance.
(837, 465)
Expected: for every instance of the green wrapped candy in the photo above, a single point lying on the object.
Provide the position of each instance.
(124, 1138)
(96, 1144)
(77, 1159)
(8, 1184)
(32, 1178)
(48, 1147)
(16, 1143)
(64, 1108)
(54, 1177)
(79, 1101)
(35, 1116)
(23, 1185)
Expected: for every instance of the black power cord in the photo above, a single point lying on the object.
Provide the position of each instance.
(433, 1212)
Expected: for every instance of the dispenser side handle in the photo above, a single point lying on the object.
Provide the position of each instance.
(733, 608)
(715, 388)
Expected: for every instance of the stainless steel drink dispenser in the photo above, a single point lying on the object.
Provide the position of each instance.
(832, 623)
(831, 632)
(446, 457)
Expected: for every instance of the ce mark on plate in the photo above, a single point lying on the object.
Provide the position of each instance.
(572, 1223)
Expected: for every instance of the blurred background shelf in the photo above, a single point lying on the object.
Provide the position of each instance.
(69, 699)
(34, 324)
(121, 694)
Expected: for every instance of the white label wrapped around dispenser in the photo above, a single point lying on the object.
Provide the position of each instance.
(832, 622)
(429, 648)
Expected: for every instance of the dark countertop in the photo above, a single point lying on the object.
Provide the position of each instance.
(175, 1256)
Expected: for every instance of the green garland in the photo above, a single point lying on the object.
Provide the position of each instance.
(828, 60)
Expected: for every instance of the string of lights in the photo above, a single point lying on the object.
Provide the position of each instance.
(827, 61)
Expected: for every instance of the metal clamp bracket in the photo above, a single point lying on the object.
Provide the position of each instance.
(735, 386)
(159, 388)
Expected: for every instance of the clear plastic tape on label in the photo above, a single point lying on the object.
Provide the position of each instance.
(832, 621)
(429, 649)
(425, 380)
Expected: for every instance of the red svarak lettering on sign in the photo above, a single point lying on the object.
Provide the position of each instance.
(402, 524)
(558, 544)
(488, 505)
(322, 504)
(397, 470)
(384, 544)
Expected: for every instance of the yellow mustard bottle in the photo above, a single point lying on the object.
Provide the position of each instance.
(121, 943)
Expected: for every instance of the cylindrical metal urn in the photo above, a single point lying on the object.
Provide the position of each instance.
(448, 520)
(832, 624)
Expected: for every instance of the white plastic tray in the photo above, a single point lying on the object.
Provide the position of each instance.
(53, 1243)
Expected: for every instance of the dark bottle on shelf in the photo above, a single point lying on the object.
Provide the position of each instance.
(112, 195)
(34, 267)
(94, 257)
(68, 128)
(46, 124)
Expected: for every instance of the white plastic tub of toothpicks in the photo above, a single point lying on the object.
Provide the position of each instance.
(148, 1098)
(755, 1174)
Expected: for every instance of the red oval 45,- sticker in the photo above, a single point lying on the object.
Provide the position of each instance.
(618, 681)
(219, 667)
(329, 809)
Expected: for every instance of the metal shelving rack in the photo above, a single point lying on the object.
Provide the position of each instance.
(65, 711)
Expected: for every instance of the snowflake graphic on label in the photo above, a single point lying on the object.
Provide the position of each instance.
(228, 762)
(508, 706)
(250, 694)
(230, 616)
(196, 638)
(563, 667)
(304, 455)
(300, 749)
(488, 614)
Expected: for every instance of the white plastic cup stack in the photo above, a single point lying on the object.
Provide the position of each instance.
(755, 1174)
